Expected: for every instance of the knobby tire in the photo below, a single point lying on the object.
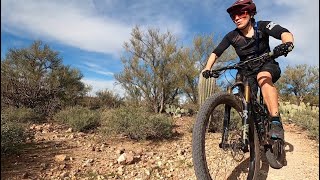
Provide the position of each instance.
(199, 131)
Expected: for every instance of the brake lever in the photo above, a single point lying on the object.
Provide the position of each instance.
(215, 75)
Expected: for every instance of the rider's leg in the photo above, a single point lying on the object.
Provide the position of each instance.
(269, 92)
(270, 95)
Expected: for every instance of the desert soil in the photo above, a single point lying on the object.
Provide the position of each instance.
(58, 153)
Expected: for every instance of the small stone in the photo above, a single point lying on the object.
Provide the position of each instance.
(60, 158)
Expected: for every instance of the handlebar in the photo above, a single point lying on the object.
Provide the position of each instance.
(243, 64)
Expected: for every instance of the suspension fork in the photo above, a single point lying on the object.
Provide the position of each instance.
(246, 116)
(226, 123)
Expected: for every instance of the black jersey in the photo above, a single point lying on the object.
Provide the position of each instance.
(246, 47)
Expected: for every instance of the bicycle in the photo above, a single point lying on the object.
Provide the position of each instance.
(244, 133)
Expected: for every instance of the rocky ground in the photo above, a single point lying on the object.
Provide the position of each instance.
(59, 153)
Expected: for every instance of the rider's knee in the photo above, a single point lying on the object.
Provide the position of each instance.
(264, 77)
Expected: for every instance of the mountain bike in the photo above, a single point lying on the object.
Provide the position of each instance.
(233, 148)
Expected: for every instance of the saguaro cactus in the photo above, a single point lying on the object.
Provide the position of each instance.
(206, 88)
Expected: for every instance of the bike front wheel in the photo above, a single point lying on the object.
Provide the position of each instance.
(227, 161)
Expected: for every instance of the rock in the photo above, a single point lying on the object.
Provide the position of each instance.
(44, 166)
(69, 130)
(159, 163)
(122, 159)
(60, 158)
(181, 152)
(102, 146)
(88, 162)
(148, 172)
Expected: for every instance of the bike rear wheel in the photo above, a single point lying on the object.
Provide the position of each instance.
(212, 162)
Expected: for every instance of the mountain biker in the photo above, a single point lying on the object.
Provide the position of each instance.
(251, 39)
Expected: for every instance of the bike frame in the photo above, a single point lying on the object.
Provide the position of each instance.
(253, 110)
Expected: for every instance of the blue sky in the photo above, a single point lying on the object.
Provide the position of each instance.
(89, 34)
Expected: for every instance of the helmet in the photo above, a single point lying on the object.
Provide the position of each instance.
(243, 5)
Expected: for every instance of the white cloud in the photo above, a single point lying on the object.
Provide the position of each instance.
(76, 23)
(99, 84)
(97, 69)
(302, 19)
(64, 22)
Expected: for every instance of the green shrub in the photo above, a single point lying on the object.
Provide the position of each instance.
(20, 115)
(303, 115)
(79, 118)
(136, 123)
(13, 135)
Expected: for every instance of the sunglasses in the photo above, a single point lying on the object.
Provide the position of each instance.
(240, 14)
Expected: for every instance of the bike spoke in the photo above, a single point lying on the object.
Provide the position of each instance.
(231, 161)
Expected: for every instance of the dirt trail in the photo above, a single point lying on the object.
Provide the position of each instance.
(302, 157)
(90, 156)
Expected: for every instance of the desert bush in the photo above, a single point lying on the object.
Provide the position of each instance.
(303, 115)
(191, 107)
(20, 115)
(109, 99)
(13, 134)
(136, 123)
(79, 118)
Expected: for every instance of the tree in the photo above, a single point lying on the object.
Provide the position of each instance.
(301, 81)
(35, 77)
(150, 64)
(194, 59)
(109, 99)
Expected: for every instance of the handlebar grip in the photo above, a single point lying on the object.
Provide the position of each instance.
(272, 53)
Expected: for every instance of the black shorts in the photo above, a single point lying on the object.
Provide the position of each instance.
(271, 66)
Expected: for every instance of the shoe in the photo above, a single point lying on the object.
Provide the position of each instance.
(276, 129)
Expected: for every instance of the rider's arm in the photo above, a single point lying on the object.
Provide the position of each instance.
(276, 31)
(211, 61)
(286, 37)
(223, 45)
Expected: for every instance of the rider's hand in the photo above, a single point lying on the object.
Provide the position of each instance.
(206, 74)
(283, 49)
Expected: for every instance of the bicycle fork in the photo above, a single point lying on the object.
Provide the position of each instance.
(245, 117)
(226, 122)
(245, 125)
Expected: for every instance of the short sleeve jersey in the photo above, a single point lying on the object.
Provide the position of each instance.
(246, 47)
